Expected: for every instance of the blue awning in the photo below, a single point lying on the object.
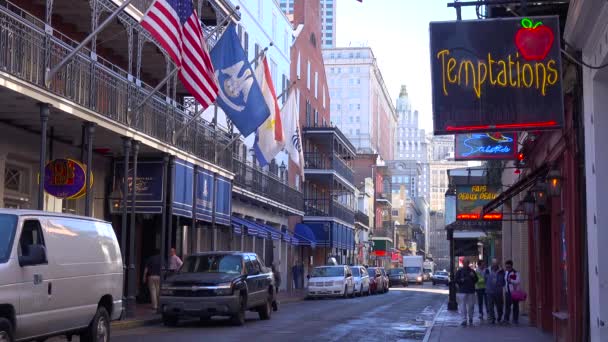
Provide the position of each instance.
(237, 228)
(305, 235)
(252, 230)
(273, 232)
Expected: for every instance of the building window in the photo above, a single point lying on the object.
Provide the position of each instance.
(358, 106)
(274, 26)
(323, 90)
(260, 9)
(316, 85)
(299, 67)
(308, 75)
(357, 119)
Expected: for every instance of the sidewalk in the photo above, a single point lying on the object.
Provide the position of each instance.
(144, 315)
(446, 327)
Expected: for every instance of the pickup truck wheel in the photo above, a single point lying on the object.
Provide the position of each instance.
(99, 329)
(170, 320)
(265, 311)
(238, 318)
(6, 330)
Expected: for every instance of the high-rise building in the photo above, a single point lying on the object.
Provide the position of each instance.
(328, 19)
(410, 146)
(442, 147)
(360, 102)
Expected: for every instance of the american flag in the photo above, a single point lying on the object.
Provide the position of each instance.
(175, 24)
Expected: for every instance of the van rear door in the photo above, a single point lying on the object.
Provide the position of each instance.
(35, 285)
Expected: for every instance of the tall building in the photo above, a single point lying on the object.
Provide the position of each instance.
(361, 105)
(439, 181)
(329, 190)
(442, 147)
(328, 19)
(410, 145)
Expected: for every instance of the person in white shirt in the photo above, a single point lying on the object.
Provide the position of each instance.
(174, 261)
(512, 280)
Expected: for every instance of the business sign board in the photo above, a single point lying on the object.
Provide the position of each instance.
(470, 200)
(485, 146)
(496, 75)
(148, 186)
(65, 178)
(466, 247)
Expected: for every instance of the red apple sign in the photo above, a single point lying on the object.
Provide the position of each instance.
(533, 40)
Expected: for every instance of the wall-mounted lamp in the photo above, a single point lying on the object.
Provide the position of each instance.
(528, 203)
(540, 194)
(554, 179)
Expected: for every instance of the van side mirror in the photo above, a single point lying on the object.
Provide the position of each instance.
(36, 255)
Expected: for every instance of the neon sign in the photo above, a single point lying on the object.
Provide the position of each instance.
(470, 200)
(509, 80)
(484, 146)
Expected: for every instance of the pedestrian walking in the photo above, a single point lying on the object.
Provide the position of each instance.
(512, 281)
(480, 288)
(495, 282)
(152, 278)
(466, 279)
(175, 263)
(277, 283)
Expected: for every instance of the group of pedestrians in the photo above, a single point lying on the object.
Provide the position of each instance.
(496, 289)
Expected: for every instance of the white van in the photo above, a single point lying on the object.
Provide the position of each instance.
(59, 275)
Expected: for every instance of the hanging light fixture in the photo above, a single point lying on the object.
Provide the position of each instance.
(554, 179)
(528, 203)
(540, 194)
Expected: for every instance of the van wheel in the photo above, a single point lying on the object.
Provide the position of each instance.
(6, 330)
(99, 329)
(170, 320)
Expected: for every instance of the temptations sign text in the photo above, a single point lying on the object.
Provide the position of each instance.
(496, 75)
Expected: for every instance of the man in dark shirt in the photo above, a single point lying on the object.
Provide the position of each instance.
(152, 277)
(466, 278)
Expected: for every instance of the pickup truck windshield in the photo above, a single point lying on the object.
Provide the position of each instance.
(328, 272)
(8, 225)
(213, 264)
(395, 271)
(410, 270)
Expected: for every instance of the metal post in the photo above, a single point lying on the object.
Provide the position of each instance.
(90, 127)
(50, 73)
(131, 277)
(452, 303)
(194, 191)
(171, 199)
(163, 225)
(213, 209)
(44, 120)
(126, 145)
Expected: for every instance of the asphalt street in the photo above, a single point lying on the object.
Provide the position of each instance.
(402, 314)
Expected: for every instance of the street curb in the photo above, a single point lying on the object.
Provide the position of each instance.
(131, 324)
(427, 336)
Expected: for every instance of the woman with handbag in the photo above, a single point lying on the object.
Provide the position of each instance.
(513, 295)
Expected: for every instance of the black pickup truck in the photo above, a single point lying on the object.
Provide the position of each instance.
(218, 284)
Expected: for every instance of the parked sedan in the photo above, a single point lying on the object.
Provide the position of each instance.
(385, 276)
(362, 281)
(378, 283)
(397, 276)
(441, 277)
(328, 281)
(218, 284)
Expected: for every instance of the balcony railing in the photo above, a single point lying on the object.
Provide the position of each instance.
(328, 161)
(26, 50)
(361, 217)
(263, 183)
(328, 208)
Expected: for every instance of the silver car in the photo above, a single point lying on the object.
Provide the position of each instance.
(361, 280)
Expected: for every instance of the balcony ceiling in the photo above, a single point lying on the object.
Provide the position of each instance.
(22, 112)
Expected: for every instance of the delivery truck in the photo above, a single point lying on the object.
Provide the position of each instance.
(413, 268)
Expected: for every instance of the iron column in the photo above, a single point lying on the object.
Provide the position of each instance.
(90, 132)
(163, 225)
(44, 120)
(131, 277)
(452, 304)
(126, 146)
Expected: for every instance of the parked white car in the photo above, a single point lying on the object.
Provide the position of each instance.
(361, 279)
(327, 281)
(59, 275)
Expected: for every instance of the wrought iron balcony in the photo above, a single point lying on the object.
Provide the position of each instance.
(26, 50)
(264, 183)
(328, 208)
(328, 161)
(361, 217)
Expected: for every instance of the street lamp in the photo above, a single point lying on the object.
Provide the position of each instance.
(528, 203)
(114, 200)
(554, 178)
(282, 169)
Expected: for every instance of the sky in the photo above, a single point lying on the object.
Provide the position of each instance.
(398, 33)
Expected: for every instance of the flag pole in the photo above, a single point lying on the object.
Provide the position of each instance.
(49, 73)
(166, 79)
(286, 91)
(181, 130)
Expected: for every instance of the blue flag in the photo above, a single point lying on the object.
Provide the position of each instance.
(240, 95)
